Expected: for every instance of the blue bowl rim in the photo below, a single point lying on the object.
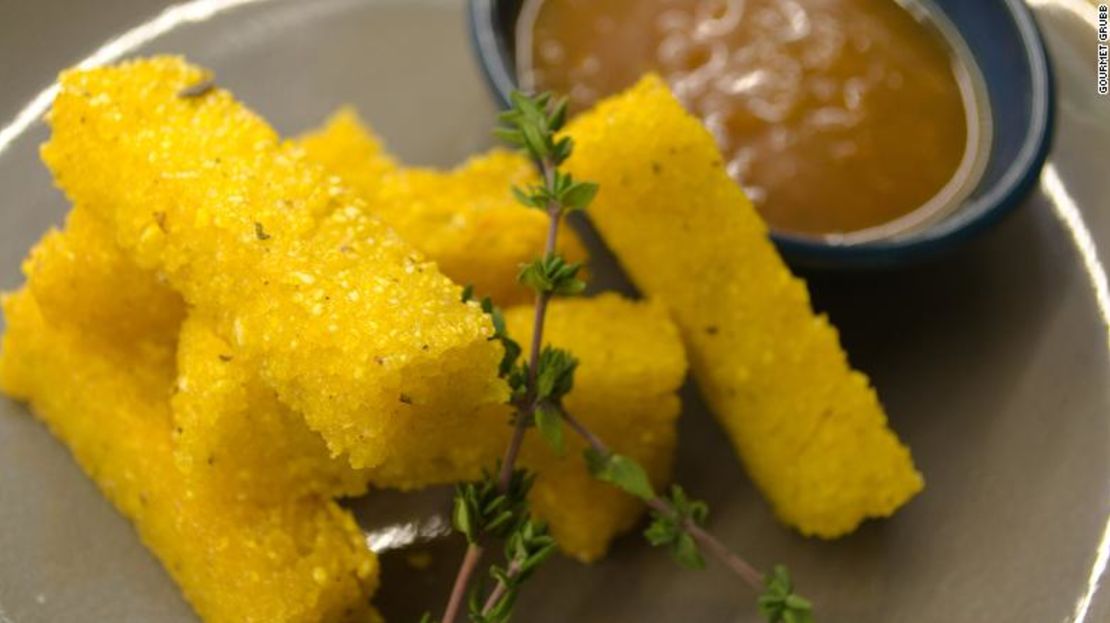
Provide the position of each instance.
(974, 217)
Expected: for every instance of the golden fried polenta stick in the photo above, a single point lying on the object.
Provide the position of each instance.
(466, 219)
(809, 428)
(107, 399)
(347, 322)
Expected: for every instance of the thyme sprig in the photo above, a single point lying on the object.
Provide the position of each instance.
(496, 508)
(531, 124)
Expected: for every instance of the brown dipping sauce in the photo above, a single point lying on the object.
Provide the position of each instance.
(844, 118)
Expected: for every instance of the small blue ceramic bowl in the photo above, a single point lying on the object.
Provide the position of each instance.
(1002, 39)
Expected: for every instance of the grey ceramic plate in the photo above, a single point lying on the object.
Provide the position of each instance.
(993, 362)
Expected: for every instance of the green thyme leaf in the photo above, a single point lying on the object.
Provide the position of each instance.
(463, 515)
(508, 117)
(529, 107)
(661, 531)
(526, 547)
(508, 360)
(554, 374)
(579, 195)
(533, 276)
(779, 603)
(558, 117)
(500, 333)
(534, 141)
(523, 196)
(517, 378)
(562, 149)
(530, 545)
(531, 123)
(495, 316)
(570, 287)
(669, 528)
(535, 196)
(552, 275)
(687, 508)
(685, 552)
(797, 602)
(510, 136)
(549, 421)
(620, 471)
(482, 509)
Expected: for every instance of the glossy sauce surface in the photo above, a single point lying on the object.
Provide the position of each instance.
(837, 116)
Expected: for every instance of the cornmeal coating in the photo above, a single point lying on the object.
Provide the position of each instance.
(231, 426)
(808, 427)
(349, 324)
(466, 219)
(107, 399)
